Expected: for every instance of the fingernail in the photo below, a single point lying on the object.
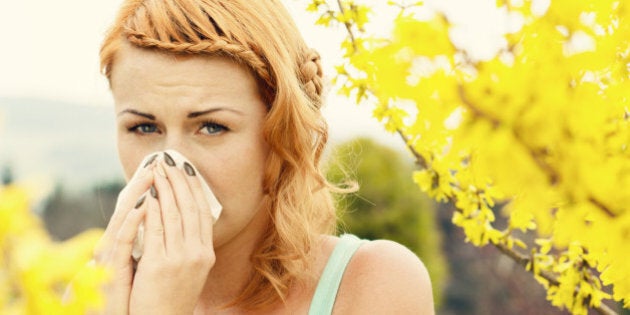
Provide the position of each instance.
(169, 160)
(140, 202)
(150, 160)
(189, 169)
(153, 192)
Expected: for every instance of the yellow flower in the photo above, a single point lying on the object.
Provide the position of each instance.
(36, 271)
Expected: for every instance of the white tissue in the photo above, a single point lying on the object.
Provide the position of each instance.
(215, 206)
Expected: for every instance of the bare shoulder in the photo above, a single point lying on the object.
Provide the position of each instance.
(385, 277)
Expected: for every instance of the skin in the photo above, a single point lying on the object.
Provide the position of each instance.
(209, 109)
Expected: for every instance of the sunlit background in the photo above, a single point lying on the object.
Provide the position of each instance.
(57, 139)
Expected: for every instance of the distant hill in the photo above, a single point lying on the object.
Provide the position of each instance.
(55, 143)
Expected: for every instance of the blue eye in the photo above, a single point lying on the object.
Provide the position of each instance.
(212, 128)
(143, 128)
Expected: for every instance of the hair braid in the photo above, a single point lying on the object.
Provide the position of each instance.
(219, 45)
(310, 74)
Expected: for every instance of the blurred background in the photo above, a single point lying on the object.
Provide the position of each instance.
(57, 139)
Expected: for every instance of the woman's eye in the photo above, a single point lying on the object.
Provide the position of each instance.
(143, 128)
(213, 128)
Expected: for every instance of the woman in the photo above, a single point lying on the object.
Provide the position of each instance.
(232, 86)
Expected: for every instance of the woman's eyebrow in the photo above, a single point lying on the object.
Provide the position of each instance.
(135, 112)
(212, 110)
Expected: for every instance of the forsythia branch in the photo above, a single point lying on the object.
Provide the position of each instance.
(537, 128)
(348, 26)
(517, 257)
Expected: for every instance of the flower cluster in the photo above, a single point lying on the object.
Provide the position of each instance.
(539, 133)
(37, 272)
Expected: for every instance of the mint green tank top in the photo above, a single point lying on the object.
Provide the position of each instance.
(326, 291)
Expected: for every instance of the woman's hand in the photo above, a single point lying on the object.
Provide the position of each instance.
(178, 248)
(114, 248)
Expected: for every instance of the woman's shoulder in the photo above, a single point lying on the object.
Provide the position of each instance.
(385, 277)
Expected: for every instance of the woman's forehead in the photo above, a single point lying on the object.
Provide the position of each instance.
(143, 76)
(132, 63)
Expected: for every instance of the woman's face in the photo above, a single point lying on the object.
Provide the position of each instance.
(208, 109)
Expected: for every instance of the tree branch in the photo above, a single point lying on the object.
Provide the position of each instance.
(348, 26)
(420, 160)
(516, 256)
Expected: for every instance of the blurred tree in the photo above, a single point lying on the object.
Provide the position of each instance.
(387, 205)
(7, 175)
(106, 195)
(67, 214)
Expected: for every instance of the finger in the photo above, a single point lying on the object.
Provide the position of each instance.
(204, 218)
(137, 185)
(153, 229)
(171, 216)
(126, 236)
(127, 199)
(186, 202)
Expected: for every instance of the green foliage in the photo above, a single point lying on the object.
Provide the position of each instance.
(387, 205)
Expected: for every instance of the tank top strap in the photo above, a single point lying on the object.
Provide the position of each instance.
(326, 291)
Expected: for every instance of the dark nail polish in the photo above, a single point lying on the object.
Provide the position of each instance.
(150, 160)
(153, 192)
(169, 160)
(189, 169)
(140, 202)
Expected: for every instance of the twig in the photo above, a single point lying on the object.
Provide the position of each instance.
(420, 160)
(348, 26)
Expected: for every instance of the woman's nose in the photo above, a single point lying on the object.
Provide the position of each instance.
(175, 141)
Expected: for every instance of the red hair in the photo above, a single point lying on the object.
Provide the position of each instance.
(261, 35)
